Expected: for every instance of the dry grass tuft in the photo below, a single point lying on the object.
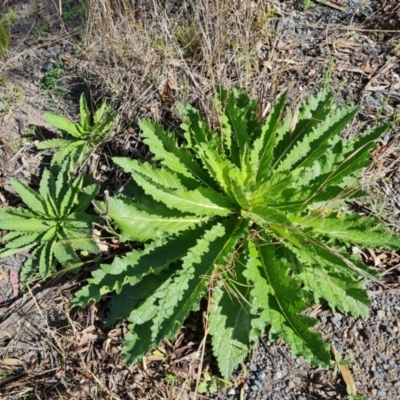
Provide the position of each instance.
(148, 54)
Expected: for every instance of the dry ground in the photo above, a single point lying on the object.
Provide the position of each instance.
(143, 56)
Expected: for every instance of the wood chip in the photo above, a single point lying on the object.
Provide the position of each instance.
(12, 362)
(332, 5)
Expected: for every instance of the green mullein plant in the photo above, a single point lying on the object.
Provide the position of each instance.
(84, 136)
(251, 217)
(55, 224)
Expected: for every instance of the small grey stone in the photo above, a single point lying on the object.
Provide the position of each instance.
(380, 314)
(64, 43)
(389, 330)
(48, 66)
(374, 328)
(138, 377)
(300, 398)
(261, 376)
(258, 384)
(297, 380)
(338, 346)
(377, 374)
(231, 392)
(287, 20)
(291, 384)
(323, 319)
(278, 375)
(253, 367)
(384, 357)
(337, 316)
(381, 393)
(254, 388)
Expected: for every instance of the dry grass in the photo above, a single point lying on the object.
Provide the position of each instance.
(148, 54)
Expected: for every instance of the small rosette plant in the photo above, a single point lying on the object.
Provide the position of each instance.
(82, 137)
(250, 216)
(55, 224)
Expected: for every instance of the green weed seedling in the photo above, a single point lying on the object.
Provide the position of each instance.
(74, 13)
(341, 366)
(83, 137)
(41, 28)
(250, 216)
(308, 4)
(10, 94)
(6, 21)
(69, 14)
(211, 383)
(51, 81)
(55, 223)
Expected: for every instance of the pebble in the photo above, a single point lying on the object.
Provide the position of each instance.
(261, 376)
(275, 395)
(374, 328)
(366, 333)
(377, 374)
(291, 384)
(47, 67)
(253, 367)
(338, 346)
(384, 357)
(337, 316)
(254, 388)
(258, 384)
(278, 375)
(380, 314)
(389, 330)
(381, 393)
